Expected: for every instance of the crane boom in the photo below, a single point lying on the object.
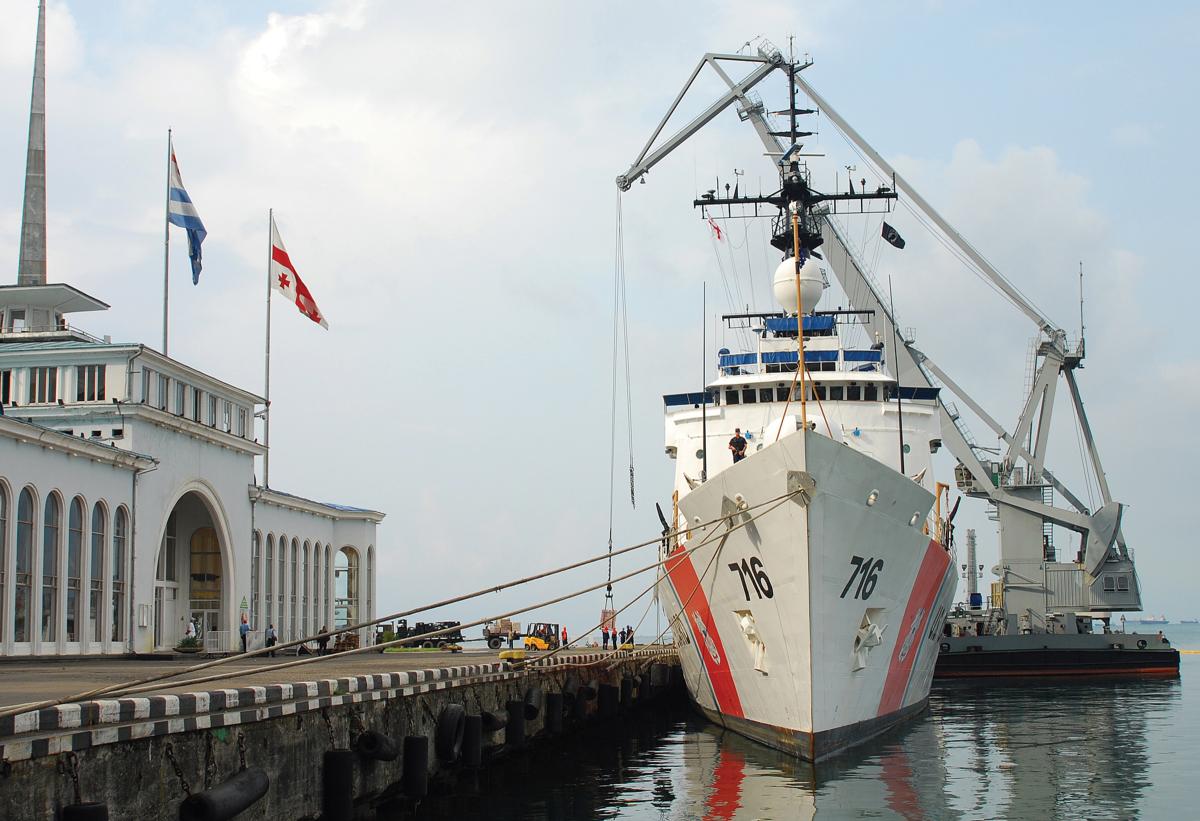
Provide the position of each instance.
(647, 159)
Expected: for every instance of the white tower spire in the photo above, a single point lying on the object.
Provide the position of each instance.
(31, 269)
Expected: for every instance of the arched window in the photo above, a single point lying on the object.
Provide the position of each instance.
(370, 613)
(51, 527)
(23, 595)
(3, 554)
(281, 600)
(293, 588)
(326, 583)
(346, 592)
(120, 540)
(255, 558)
(75, 516)
(318, 615)
(306, 574)
(96, 575)
(269, 578)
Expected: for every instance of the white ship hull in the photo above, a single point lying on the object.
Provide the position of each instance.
(816, 625)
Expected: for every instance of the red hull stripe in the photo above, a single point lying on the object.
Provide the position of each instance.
(704, 633)
(912, 627)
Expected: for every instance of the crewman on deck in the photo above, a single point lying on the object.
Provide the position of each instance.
(738, 445)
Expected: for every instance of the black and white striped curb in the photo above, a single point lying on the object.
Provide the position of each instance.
(74, 727)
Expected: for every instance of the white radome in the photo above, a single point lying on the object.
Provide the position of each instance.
(812, 285)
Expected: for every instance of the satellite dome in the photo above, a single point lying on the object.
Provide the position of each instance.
(812, 284)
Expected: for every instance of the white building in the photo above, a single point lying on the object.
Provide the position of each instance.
(128, 500)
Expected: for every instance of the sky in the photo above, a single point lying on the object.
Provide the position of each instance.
(443, 181)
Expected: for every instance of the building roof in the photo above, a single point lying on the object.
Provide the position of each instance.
(56, 296)
(335, 511)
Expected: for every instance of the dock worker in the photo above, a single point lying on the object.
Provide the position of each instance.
(564, 635)
(272, 637)
(244, 629)
(604, 635)
(738, 445)
(323, 642)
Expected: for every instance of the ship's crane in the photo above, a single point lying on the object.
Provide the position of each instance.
(1016, 484)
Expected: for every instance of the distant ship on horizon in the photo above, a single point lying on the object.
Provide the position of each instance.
(1153, 620)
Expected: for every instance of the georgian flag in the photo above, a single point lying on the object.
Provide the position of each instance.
(286, 281)
(181, 212)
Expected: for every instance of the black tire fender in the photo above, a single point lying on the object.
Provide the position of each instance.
(1141, 644)
(448, 737)
(945, 647)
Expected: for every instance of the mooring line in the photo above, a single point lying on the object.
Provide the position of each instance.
(158, 682)
(161, 677)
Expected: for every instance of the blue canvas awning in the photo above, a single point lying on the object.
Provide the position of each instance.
(864, 356)
(787, 324)
(672, 400)
(729, 360)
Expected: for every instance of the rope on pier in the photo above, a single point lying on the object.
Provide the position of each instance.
(162, 679)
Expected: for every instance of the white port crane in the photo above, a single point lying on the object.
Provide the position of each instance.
(1102, 578)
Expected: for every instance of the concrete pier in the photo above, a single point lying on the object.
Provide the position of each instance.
(136, 754)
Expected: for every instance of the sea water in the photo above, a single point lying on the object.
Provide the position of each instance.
(1014, 749)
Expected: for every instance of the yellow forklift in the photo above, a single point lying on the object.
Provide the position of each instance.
(542, 636)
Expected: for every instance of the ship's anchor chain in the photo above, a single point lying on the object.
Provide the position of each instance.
(329, 726)
(169, 752)
(210, 764)
(68, 765)
(241, 745)
(356, 722)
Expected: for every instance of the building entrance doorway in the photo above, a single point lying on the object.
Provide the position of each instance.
(190, 578)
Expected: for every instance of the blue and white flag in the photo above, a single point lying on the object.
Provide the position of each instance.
(181, 212)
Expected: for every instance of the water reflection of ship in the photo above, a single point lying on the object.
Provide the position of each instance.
(1036, 754)
(730, 778)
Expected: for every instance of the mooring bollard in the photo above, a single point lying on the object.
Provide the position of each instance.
(89, 811)
(226, 800)
(608, 697)
(533, 703)
(415, 771)
(472, 741)
(337, 786)
(626, 693)
(448, 737)
(554, 713)
(514, 732)
(376, 746)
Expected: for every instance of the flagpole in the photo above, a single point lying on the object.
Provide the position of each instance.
(166, 243)
(267, 375)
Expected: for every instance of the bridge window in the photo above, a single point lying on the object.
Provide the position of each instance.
(89, 383)
(732, 397)
(854, 393)
(43, 386)
(781, 394)
(765, 395)
(749, 397)
(871, 393)
(164, 383)
(1123, 583)
(835, 393)
(5, 387)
